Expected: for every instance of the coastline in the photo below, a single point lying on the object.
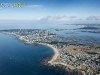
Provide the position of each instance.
(51, 62)
(66, 55)
(56, 53)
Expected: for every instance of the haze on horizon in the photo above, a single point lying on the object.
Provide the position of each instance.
(51, 12)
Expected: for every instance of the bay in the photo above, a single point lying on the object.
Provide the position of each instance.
(17, 58)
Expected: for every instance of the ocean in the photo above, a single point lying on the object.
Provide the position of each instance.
(18, 58)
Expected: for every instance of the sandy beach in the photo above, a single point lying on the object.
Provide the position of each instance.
(54, 58)
(55, 55)
(52, 61)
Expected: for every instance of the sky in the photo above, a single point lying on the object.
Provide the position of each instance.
(51, 12)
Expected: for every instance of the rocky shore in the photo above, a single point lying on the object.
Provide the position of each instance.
(68, 71)
(71, 58)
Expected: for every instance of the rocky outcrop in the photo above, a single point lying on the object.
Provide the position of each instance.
(68, 71)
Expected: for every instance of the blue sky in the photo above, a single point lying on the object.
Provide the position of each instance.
(55, 11)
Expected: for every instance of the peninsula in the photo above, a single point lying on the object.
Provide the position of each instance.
(83, 58)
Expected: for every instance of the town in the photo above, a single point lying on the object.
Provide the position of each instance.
(81, 57)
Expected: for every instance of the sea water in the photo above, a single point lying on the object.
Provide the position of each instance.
(18, 58)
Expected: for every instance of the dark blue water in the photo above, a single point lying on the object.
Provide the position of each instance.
(17, 58)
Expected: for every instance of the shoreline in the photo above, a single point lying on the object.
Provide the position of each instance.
(51, 62)
(66, 54)
(56, 53)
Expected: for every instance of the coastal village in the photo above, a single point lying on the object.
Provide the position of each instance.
(81, 57)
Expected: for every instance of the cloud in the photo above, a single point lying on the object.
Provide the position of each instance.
(35, 6)
(59, 17)
(73, 17)
(80, 19)
(93, 18)
(68, 18)
(47, 18)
